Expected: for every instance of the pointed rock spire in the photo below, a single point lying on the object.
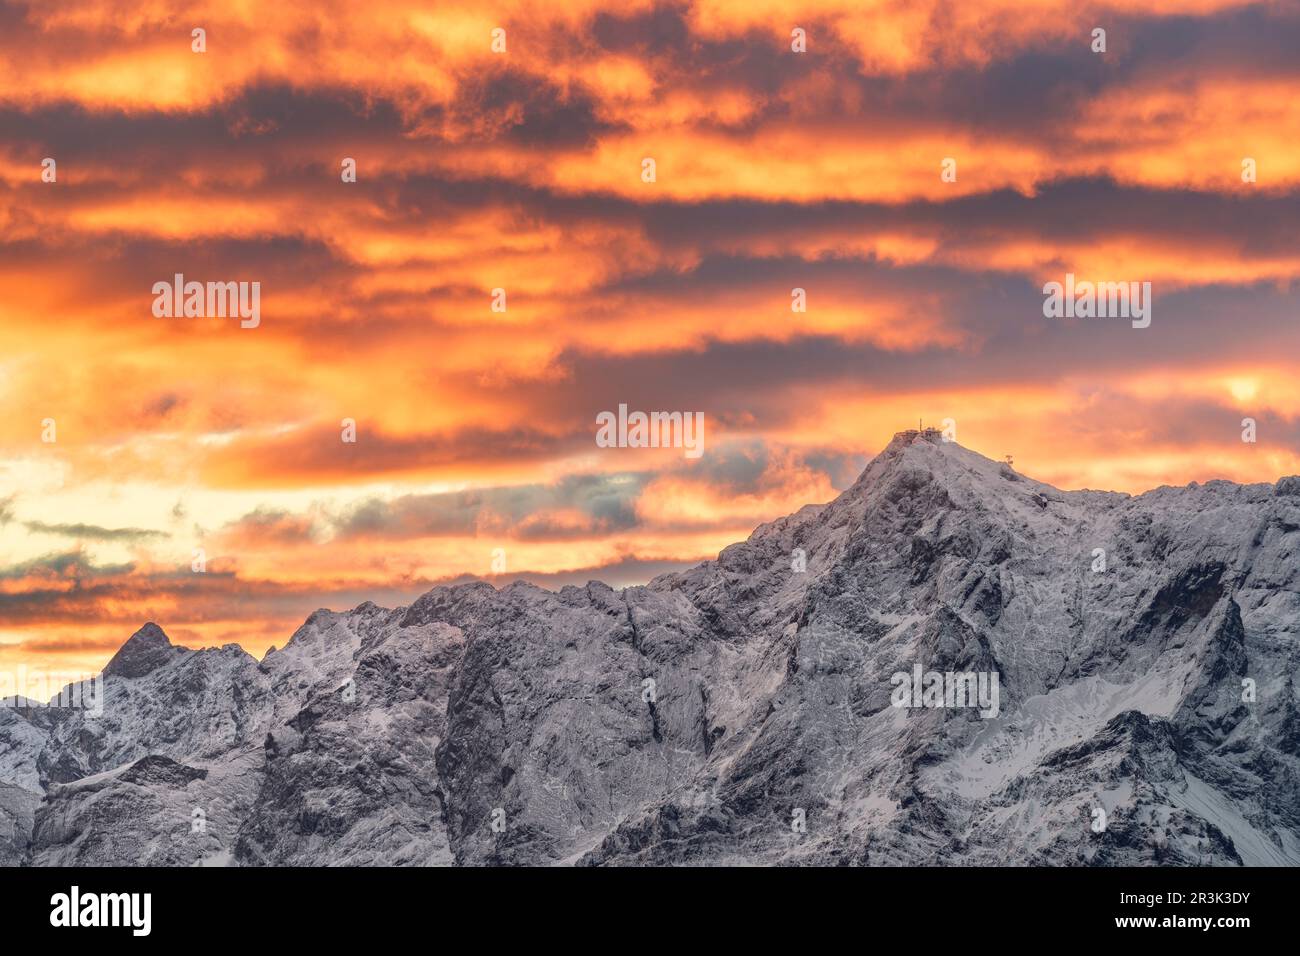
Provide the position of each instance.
(148, 648)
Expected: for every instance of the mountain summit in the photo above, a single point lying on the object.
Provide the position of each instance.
(147, 648)
(949, 664)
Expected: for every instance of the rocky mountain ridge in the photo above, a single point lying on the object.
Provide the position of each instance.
(1146, 651)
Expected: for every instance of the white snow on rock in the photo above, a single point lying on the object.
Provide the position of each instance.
(515, 726)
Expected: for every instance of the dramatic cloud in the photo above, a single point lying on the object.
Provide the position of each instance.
(504, 269)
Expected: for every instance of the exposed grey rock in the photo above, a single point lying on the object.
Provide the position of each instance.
(702, 717)
(148, 648)
(17, 817)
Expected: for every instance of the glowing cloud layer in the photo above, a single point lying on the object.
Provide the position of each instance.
(189, 441)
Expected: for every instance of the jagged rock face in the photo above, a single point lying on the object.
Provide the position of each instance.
(17, 817)
(147, 650)
(350, 778)
(741, 711)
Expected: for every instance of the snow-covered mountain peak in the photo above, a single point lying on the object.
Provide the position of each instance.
(146, 649)
(1145, 650)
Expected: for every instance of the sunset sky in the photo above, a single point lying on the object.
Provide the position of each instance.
(522, 170)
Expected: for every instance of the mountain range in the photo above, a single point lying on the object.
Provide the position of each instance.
(744, 711)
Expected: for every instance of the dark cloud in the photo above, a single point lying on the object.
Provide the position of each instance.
(1011, 342)
(608, 501)
(162, 404)
(68, 564)
(318, 452)
(93, 532)
(270, 527)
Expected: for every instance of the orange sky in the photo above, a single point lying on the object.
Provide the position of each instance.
(522, 170)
